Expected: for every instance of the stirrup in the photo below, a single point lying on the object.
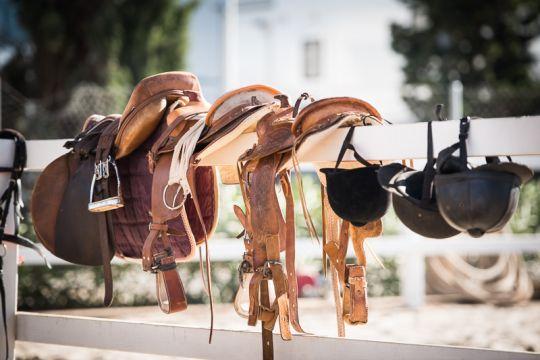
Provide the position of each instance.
(101, 172)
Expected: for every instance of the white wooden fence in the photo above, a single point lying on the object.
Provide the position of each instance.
(502, 136)
(410, 251)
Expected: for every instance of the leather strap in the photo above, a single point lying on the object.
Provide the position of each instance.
(103, 151)
(330, 235)
(195, 198)
(357, 289)
(352, 277)
(290, 237)
(105, 230)
(267, 338)
(169, 289)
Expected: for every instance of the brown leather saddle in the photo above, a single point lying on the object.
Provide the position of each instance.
(315, 121)
(266, 112)
(98, 200)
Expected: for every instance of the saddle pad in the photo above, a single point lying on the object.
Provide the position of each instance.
(131, 221)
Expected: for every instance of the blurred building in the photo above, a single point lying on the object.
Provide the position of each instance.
(336, 48)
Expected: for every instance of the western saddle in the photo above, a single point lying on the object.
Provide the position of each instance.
(132, 186)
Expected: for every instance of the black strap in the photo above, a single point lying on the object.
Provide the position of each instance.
(445, 154)
(429, 169)
(12, 192)
(464, 125)
(348, 146)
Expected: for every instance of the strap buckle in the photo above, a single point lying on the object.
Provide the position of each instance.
(266, 271)
(245, 267)
(159, 265)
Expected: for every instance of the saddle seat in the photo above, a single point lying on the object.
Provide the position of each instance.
(233, 114)
(148, 103)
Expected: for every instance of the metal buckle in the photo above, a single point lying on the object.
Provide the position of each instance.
(266, 271)
(156, 262)
(245, 267)
(101, 172)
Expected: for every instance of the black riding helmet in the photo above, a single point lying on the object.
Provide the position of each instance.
(413, 197)
(479, 200)
(355, 194)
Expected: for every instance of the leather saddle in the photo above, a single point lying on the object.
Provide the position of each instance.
(315, 121)
(265, 112)
(98, 200)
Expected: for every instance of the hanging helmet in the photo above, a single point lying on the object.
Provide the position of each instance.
(355, 194)
(479, 200)
(413, 197)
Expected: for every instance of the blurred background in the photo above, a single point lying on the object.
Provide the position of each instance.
(63, 60)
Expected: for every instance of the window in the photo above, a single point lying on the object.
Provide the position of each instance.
(312, 59)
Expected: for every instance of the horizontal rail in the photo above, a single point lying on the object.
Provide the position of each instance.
(496, 136)
(515, 136)
(232, 249)
(173, 340)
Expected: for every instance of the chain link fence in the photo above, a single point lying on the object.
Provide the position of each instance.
(37, 120)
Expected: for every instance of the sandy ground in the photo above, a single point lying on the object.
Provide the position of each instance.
(438, 323)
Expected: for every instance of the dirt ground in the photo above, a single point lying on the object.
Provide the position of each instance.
(439, 323)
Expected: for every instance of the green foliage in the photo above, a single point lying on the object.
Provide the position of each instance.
(78, 286)
(527, 216)
(483, 44)
(103, 42)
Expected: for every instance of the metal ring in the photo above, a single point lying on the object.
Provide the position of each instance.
(173, 207)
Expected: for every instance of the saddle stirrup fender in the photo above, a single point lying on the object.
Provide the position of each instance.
(340, 186)
(267, 232)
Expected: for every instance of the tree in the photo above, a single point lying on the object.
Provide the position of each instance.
(485, 44)
(99, 41)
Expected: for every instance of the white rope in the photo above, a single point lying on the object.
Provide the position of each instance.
(182, 155)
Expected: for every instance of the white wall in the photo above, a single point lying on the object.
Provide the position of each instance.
(356, 58)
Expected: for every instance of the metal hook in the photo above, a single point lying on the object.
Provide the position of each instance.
(438, 112)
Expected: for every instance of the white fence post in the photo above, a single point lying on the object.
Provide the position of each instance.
(230, 44)
(10, 282)
(10, 261)
(456, 100)
(412, 275)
